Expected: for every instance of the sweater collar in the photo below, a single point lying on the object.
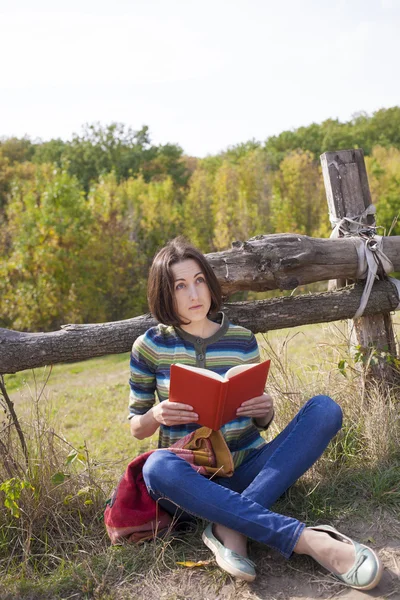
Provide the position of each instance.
(220, 318)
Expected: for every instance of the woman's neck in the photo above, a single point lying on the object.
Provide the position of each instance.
(203, 329)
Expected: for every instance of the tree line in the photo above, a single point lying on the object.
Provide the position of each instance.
(80, 220)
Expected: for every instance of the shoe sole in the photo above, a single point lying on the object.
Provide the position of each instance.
(225, 565)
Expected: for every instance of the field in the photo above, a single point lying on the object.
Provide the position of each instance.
(74, 419)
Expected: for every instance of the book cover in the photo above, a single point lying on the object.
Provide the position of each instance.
(213, 397)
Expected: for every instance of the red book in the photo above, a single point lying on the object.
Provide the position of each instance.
(216, 398)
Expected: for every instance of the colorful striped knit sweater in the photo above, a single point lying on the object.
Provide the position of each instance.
(152, 356)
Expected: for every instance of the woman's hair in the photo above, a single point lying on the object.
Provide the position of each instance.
(161, 289)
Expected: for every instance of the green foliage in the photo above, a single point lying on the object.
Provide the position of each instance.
(115, 280)
(81, 220)
(198, 214)
(99, 150)
(363, 131)
(235, 153)
(47, 221)
(228, 199)
(165, 161)
(383, 168)
(17, 149)
(11, 171)
(224, 204)
(77, 454)
(299, 201)
(12, 489)
(50, 152)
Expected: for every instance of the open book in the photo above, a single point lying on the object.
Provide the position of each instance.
(213, 397)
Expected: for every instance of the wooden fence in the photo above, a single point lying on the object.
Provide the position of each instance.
(266, 262)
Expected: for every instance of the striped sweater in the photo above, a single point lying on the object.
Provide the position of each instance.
(152, 356)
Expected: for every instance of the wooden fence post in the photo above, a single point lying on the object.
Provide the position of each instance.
(348, 195)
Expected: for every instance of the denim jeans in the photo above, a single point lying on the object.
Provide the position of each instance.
(242, 502)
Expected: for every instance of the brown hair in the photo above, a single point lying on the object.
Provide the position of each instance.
(160, 287)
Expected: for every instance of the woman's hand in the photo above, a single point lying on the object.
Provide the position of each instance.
(174, 413)
(260, 408)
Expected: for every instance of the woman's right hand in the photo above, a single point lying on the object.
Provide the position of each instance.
(174, 413)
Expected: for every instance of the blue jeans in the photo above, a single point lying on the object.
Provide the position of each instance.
(242, 502)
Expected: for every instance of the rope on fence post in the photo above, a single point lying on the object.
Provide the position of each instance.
(372, 261)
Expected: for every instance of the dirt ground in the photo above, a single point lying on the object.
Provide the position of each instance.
(277, 579)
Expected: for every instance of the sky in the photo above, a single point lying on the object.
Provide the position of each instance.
(204, 74)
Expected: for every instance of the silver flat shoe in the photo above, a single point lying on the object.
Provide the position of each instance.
(367, 569)
(230, 561)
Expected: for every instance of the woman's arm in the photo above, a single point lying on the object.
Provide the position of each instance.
(146, 417)
(261, 408)
(143, 385)
(143, 426)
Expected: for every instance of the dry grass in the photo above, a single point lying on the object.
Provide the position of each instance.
(52, 539)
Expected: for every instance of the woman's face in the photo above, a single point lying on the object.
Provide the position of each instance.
(192, 294)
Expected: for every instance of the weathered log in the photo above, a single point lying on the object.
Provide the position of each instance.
(267, 315)
(19, 351)
(285, 261)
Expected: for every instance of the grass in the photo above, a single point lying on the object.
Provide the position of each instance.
(86, 402)
(74, 420)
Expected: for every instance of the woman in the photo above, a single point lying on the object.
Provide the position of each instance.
(184, 296)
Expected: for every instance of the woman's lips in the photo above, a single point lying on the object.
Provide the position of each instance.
(195, 307)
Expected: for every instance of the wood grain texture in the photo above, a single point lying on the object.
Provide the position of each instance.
(285, 261)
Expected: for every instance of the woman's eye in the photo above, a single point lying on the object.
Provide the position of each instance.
(180, 286)
(200, 280)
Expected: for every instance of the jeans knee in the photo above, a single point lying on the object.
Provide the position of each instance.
(155, 470)
(331, 413)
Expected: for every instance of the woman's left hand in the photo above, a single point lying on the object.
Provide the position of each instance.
(260, 408)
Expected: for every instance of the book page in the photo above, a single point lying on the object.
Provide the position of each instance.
(238, 369)
(204, 372)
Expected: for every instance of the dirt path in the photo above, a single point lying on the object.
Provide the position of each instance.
(298, 579)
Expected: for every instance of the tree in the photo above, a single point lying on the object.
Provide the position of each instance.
(225, 206)
(198, 215)
(123, 151)
(42, 276)
(9, 172)
(115, 282)
(165, 161)
(254, 194)
(362, 131)
(50, 152)
(384, 179)
(17, 149)
(100, 150)
(299, 202)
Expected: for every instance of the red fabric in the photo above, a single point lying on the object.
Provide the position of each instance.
(131, 513)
